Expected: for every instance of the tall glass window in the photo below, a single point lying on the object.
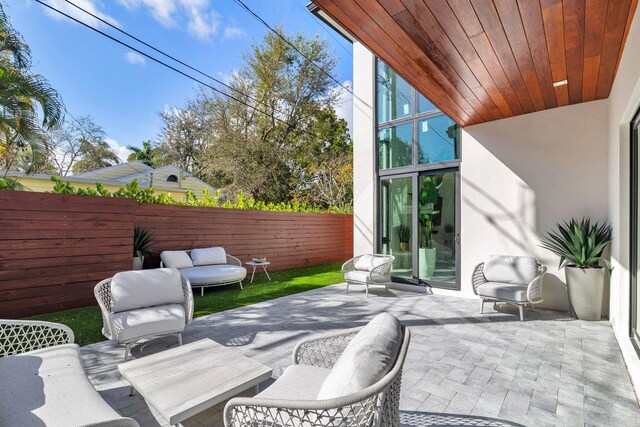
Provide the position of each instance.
(411, 130)
(418, 151)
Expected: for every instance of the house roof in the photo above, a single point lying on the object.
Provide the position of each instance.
(482, 61)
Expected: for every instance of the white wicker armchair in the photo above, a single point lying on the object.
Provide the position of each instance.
(514, 280)
(377, 405)
(115, 328)
(368, 269)
(43, 381)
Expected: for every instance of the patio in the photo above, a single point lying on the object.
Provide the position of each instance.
(548, 370)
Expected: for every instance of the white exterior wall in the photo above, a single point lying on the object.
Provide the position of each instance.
(624, 101)
(364, 173)
(522, 175)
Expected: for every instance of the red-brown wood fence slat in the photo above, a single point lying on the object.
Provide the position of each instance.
(54, 248)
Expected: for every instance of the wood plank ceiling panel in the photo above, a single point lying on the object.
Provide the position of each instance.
(482, 60)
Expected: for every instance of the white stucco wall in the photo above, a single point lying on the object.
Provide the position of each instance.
(364, 174)
(521, 175)
(624, 101)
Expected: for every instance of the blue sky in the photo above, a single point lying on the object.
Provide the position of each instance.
(124, 92)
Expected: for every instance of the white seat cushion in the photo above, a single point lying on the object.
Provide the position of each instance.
(148, 321)
(369, 262)
(49, 387)
(176, 259)
(366, 359)
(212, 274)
(358, 276)
(297, 382)
(517, 270)
(503, 291)
(145, 288)
(208, 256)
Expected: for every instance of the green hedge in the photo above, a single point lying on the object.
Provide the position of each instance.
(146, 195)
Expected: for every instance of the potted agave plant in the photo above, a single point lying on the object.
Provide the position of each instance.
(142, 240)
(580, 244)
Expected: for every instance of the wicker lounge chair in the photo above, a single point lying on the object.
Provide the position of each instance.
(306, 393)
(144, 304)
(516, 280)
(367, 270)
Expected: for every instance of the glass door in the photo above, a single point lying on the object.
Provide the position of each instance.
(437, 229)
(635, 232)
(396, 221)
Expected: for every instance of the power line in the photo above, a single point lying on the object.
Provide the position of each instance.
(321, 25)
(177, 70)
(256, 16)
(163, 52)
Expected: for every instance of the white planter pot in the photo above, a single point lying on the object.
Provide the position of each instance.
(585, 286)
(427, 262)
(138, 261)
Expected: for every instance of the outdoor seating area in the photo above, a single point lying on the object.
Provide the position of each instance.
(460, 366)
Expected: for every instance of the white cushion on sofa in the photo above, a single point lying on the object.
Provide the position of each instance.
(134, 324)
(49, 387)
(368, 357)
(369, 262)
(518, 270)
(145, 288)
(358, 276)
(208, 256)
(211, 274)
(176, 259)
(297, 382)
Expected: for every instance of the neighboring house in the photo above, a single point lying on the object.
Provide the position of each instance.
(166, 179)
(542, 124)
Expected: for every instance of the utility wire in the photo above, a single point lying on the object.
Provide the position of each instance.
(163, 53)
(321, 25)
(256, 16)
(177, 70)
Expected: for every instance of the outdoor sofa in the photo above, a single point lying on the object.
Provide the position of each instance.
(515, 280)
(346, 378)
(144, 304)
(42, 382)
(205, 267)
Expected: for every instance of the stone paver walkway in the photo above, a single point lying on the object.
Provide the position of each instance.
(548, 370)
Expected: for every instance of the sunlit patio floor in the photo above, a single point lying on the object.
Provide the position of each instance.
(463, 368)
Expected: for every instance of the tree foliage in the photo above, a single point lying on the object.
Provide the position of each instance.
(275, 136)
(30, 106)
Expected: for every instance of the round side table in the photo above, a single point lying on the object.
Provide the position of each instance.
(255, 265)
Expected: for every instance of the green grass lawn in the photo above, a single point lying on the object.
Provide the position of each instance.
(86, 322)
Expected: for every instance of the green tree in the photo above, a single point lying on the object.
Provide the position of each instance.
(95, 152)
(30, 106)
(146, 154)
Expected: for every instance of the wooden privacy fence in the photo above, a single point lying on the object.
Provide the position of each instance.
(55, 248)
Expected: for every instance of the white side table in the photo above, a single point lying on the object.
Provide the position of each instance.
(256, 265)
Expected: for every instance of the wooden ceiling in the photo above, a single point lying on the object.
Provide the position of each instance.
(482, 60)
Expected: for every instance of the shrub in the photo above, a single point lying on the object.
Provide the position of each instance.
(146, 195)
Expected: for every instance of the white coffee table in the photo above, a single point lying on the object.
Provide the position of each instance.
(256, 265)
(185, 380)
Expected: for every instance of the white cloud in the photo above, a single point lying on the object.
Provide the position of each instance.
(232, 32)
(195, 16)
(92, 6)
(344, 104)
(134, 58)
(122, 151)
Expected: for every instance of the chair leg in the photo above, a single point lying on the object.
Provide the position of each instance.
(481, 305)
(532, 308)
(241, 288)
(127, 348)
(366, 290)
(201, 291)
(347, 287)
(179, 338)
(386, 288)
(521, 310)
